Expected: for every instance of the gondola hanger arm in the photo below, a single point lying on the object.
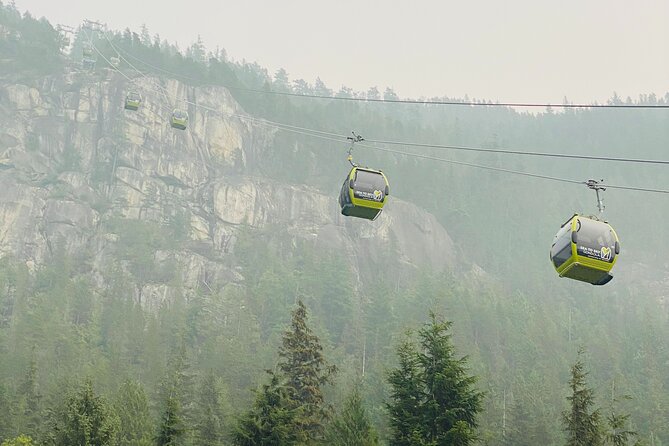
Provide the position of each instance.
(597, 186)
(353, 139)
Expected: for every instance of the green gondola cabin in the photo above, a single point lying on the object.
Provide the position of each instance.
(585, 249)
(132, 101)
(364, 193)
(179, 119)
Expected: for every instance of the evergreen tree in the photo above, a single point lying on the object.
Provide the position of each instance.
(619, 433)
(132, 408)
(176, 419)
(373, 93)
(434, 400)
(281, 81)
(87, 420)
(209, 427)
(145, 36)
(520, 426)
(30, 400)
(300, 86)
(581, 422)
(406, 394)
(197, 51)
(6, 420)
(171, 430)
(390, 95)
(344, 92)
(450, 395)
(303, 366)
(352, 427)
(272, 419)
(321, 89)
(291, 408)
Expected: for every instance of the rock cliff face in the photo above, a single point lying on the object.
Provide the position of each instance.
(72, 159)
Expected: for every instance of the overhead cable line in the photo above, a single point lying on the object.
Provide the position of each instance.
(521, 152)
(163, 90)
(463, 163)
(441, 146)
(185, 101)
(514, 172)
(478, 149)
(339, 138)
(412, 101)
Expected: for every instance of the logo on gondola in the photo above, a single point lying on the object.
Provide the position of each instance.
(378, 195)
(606, 253)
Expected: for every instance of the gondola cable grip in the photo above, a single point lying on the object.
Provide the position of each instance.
(597, 186)
(353, 139)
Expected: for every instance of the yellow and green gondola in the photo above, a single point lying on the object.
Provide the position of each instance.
(179, 119)
(132, 101)
(364, 193)
(585, 249)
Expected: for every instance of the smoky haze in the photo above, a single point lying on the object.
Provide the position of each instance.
(150, 272)
(519, 50)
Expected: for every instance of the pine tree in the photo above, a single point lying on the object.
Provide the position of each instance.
(449, 391)
(281, 81)
(132, 408)
(321, 89)
(303, 366)
(373, 93)
(209, 427)
(145, 36)
(272, 419)
(176, 391)
(6, 420)
(291, 408)
(619, 433)
(30, 400)
(352, 426)
(434, 401)
(197, 51)
(87, 420)
(581, 422)
(171, 430)
(390, 95)
(518, 432)
(406, 394)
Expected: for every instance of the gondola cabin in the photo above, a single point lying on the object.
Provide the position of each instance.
(364, 193)
(132, 101)
(115, 61)
(87, 51)
(585, 249)
(179, 119)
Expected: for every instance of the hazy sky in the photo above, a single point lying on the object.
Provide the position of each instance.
(507, 50)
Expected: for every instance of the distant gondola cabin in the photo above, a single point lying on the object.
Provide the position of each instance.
(87, 51)
(179, 119)
(364, 193)
(132, 101)
(585, 249)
